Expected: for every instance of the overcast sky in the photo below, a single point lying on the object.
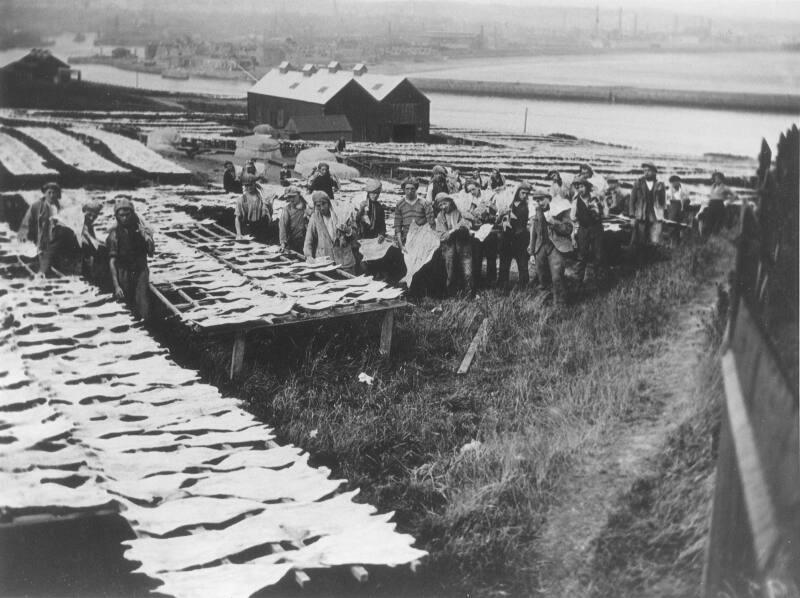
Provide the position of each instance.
(723, 9)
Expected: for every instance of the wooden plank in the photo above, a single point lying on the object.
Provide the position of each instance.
(387, 328)
(478, 340)
(167, 303)
(359, 573)
(760, 507)
(237, 354)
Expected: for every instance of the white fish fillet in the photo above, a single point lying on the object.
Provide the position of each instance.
(223, 581)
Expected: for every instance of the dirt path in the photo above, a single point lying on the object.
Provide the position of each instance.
(620, 457)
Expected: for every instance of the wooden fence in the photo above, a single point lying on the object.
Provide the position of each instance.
(754, 540)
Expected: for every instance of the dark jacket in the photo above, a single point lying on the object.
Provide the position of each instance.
(588, 212)
(230, 183)
(323, 182)
(642, 198)
(377, 220)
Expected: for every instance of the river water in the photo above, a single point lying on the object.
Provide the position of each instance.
(649, 128)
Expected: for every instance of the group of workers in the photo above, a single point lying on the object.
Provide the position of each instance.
(548, 229)
(121, 259)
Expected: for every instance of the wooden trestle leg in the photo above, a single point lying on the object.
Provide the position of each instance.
(237, 355)
(387, 327)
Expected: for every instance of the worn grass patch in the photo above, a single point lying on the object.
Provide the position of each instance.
(469, 463)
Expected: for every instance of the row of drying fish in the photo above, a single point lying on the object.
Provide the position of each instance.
(178, 458)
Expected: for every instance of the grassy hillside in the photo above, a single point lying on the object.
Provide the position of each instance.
(472, 463)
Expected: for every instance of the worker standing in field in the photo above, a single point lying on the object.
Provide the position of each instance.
(712, 215)
(323, 180)
(615, 200)
(437, 183)
(285, 174)
(56, 245)
(252, 213)
(410, 209)
(587, 216)
(647, 203)
(551, 243)
(559, 187)
(482, 212)
(129, 244)
(514, 237)
(371, 216)
(454, 233)
(598, 181)
(327, 236)
(293, 220)
(677, 206)
(229, 181)
(93, 266)
(496, 180)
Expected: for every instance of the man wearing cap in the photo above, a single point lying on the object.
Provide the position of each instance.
(229, 181)
(293, 220)
(129, 244)
(551, 242)
(327, 236)
(482, 211)
(323, 180)
(252, 213)
(648, 200)
(599, 184)
(410, 209)
(514, 236)
(587, 214)
(712, 215)
(615, 201)
(454, 232)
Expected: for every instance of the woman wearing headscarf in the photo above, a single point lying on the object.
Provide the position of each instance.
(293, 221)
(371, 214)
(454, 233)
(92, 265)
(39, 226)
(482, 211)
(327, 236)
(252, 213)
(323, 180)
(129, 244)
(514, 237)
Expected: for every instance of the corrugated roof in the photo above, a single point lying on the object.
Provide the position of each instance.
(320, 87)
(333, 123)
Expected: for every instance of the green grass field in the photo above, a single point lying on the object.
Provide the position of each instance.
(471, 464)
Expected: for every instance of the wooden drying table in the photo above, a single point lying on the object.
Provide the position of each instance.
(201, 233)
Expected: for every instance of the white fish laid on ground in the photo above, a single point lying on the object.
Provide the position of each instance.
(278, 456)
(191, 511)
(142, 464)
(158, 555)
(36, 414)
(29, 490)
(374, 543)
(70, 456)
(253, 435)
(24, 436)
(298, 484)
(232, 421)
(161, 487)
(231, 581)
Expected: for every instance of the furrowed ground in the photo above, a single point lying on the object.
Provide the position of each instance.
(480, 467)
